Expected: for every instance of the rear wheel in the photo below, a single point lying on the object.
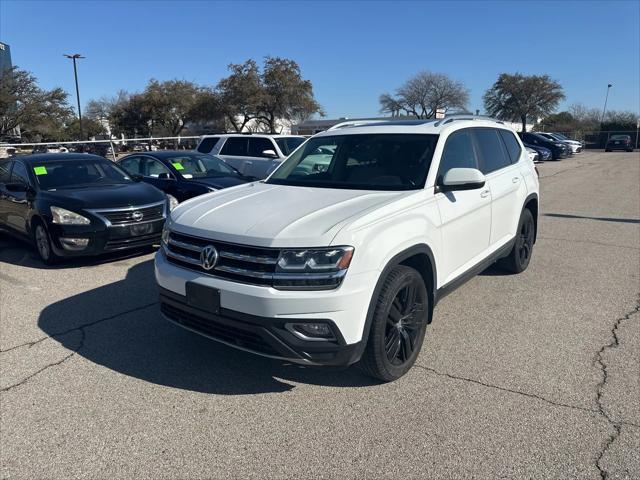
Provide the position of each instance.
(520, 256)
(43, 244)
(398, 326)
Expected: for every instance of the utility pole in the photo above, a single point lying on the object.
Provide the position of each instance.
(74, 57)
(605, 104)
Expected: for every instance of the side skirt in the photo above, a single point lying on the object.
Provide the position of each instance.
(473, 271)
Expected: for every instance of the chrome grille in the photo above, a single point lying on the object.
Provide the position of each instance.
(240, 263)
(132, 215)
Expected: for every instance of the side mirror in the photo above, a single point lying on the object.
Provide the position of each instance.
(462, 179)
(136, 177)
(165, 176)
(17, 187)
(269, 154)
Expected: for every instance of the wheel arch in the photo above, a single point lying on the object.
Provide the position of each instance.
(531, 204)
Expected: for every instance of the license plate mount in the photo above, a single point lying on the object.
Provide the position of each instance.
(203, 297)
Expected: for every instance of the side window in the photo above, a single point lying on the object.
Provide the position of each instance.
(491, 150)
(132, 165)
(513, 147)
(207, 144)
(259, 145)
(236, 146)
(19, 174)
(153, 168)
(5, 168)
(458, 153)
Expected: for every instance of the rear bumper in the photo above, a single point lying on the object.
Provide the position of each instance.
(260, 335)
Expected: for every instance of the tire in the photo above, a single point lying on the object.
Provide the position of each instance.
(398, 326)
(518, 259)
(42, 242)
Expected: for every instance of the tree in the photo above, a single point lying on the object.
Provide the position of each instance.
(424, 94)
(23, 103)
(286, 95)
(171, 103)
(130, 115)
(240, 94)
(518, 97)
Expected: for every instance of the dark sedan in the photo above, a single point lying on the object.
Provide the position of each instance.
(183, 174)
(72, 204)
(543, 153)
(619, 142)
(559, 150)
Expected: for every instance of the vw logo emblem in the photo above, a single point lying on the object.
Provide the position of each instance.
(137, 215)
(208, 257)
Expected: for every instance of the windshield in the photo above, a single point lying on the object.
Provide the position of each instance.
(363, 162)
(620, 137)
(560, 136)
(53, 174)
(289, 144)
(201, 166)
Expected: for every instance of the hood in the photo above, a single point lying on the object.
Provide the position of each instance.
(219, 182)
(108, 196)
(275, 215)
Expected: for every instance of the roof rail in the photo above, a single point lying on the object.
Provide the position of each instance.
(453, 118)
(355, 123)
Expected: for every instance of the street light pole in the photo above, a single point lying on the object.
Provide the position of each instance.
(605, 103)
(74, 57)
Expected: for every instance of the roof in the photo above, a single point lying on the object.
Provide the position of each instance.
(49, 157)
(433, 126)
(164, 153)
(250, 134)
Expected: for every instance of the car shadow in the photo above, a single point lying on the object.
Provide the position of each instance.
(601, 219)
(17, 252)
(122, 330)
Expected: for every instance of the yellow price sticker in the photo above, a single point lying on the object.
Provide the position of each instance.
(40, 170)
(178, 166)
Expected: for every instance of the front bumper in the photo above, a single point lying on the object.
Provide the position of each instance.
(263, 311)
(103, 239)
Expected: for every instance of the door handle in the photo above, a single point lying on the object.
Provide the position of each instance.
(515, 179)
(484, 193)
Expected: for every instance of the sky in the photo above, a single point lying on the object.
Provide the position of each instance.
(351, 51)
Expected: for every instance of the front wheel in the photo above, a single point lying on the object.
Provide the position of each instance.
(520, 255)
(43, 245)
(398, 325)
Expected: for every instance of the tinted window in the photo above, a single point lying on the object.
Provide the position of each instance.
(458, 153)
(259, 145)
(513, 147)
(201, 166)
(235, 146)
(19, 173)
(132, 165)
(494, 156)
(5, 168)
(364, 162)
(207, 144)
(289, 144)
(153, 168)
(76, 173)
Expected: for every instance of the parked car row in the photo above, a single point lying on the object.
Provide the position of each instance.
(556, 148)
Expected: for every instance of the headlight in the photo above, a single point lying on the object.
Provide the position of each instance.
(312, 269)
(66, 217)
(165, 234)
(173, 202)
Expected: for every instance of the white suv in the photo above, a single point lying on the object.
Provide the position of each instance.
(342, 253)
(253, 155)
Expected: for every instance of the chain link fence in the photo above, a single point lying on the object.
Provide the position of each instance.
(111, 149)
(598, 139)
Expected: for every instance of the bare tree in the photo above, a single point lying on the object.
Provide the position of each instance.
(240, 94)
(424, 94)
(518, 97)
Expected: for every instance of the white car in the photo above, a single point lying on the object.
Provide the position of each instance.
(533, 155)
(345, 263)
(576, 147)
(253, 155)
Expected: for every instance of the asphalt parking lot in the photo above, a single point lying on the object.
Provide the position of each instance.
(528, 376)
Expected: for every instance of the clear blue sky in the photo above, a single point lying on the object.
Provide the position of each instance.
(351, 51)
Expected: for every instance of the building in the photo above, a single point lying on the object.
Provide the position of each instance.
(5, 58)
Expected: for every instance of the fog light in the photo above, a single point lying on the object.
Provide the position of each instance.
(311, 331)
(74, 243)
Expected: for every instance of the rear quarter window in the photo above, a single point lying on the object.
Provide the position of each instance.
(492, 151)
(207, 144)
(512, 145)
(235, 146)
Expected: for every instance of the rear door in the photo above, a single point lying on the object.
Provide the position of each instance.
(5, 176)
(17, 203)
(465, 214)
(505, 180)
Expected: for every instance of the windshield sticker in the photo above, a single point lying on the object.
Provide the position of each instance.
(178, 166)
(40, 170)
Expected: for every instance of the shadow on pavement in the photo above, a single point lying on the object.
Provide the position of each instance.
(128, 335)
(601, 219)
